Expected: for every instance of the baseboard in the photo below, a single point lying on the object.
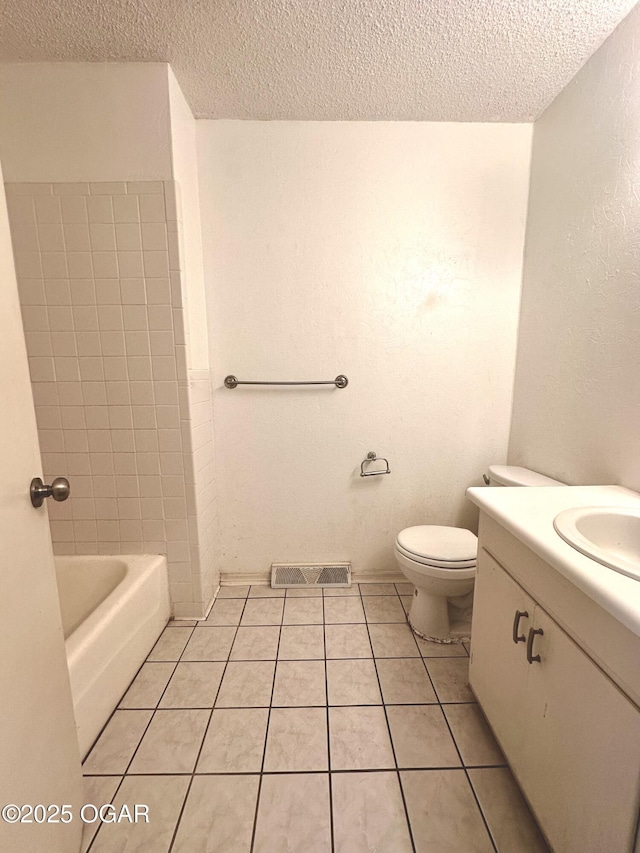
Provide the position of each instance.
(264, 578)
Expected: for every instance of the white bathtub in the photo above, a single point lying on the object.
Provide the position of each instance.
(113, 611)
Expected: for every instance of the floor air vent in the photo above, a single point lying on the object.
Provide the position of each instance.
(310, 574)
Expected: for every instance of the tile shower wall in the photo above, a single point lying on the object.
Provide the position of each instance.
(101, 292)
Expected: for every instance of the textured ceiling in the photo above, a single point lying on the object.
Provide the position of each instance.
(435, 60)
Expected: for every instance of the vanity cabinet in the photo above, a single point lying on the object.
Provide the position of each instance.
(570, 735)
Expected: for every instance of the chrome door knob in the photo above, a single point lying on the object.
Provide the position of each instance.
(59, 490)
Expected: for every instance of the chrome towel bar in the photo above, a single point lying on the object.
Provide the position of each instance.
(340, 381)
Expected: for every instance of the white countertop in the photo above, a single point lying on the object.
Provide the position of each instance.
(528, 514)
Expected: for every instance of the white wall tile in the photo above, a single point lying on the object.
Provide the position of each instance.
(128, 237)
(99, 209)
(57, 291)
(105, 264)
(74, 209)
(125, 209)
(130, 264)
(71, 189)
(50, 238)
(108, 291)
(106, 389)
(48, 210)
(133, 291)
(151, 208)
(83, 291)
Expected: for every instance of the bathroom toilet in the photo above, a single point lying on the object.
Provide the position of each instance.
(441, 564)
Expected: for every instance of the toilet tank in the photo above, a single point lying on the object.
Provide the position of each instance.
(510, 475)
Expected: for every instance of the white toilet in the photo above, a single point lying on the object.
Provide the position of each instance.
(441, 564)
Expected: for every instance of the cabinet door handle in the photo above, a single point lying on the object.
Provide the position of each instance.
(532, 635)
(516, 626)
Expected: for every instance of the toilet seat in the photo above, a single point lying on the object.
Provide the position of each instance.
(442, 564)
(450, 548)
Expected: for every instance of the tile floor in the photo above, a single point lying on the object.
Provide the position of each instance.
(305, 722)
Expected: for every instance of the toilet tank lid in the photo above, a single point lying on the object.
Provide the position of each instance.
(511, 475)
(451, 544)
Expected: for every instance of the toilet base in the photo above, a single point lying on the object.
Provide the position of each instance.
(439, 619)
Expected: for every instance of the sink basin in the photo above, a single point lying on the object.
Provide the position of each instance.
(610, 535)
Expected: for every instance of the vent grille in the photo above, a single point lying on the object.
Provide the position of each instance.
(310, 574)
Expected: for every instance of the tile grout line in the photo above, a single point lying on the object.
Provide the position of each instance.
(326, 688)
(266, 731)
(304, 772)
(206, 730)
(393, 750)
(124, 774)
(271, 705)
(455, 743)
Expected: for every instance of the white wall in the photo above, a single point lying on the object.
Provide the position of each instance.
(391, 252)
(84, 122)
(577, 391)
(185, 171)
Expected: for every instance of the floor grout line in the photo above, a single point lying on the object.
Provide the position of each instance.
(204, 736)
(393, 749)
(330, 772)
(326, 687)
(146, 728)
(266, 733)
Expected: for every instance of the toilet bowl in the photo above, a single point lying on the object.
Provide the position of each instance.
(441, 564)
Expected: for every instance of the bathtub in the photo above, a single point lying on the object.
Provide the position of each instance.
(113, 611)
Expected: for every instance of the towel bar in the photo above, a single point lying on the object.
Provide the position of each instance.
(340, 381)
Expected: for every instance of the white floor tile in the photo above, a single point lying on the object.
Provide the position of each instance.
(256, 643)
(264, 591)
(226, 611)
(293, 814)
(368, 814)
(404, 681)
(193, 685)
(443, 812)
(343, 610)
(170, 645)
(218, 815)
(209, 644)
(98, 790)
(234, 742)
(117, 743)
(450, 678)
(303, 611)
(301, 642)
(340, 591)
(171, 743)
(265, 611)
(148, 685)
(509, 818)
(164, 795)
(421, 736)
(299, 683)
(347, 641)
(246, 685)
(383, 608)
(359, 739)
(232, 592)
(297, 740)
(393, 641)
(353, 682)
(377, 589)
(473, 736)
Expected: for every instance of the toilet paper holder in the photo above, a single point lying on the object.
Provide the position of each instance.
(371, 457)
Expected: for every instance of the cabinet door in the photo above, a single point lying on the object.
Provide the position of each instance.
(498, 670)
(581, 766)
